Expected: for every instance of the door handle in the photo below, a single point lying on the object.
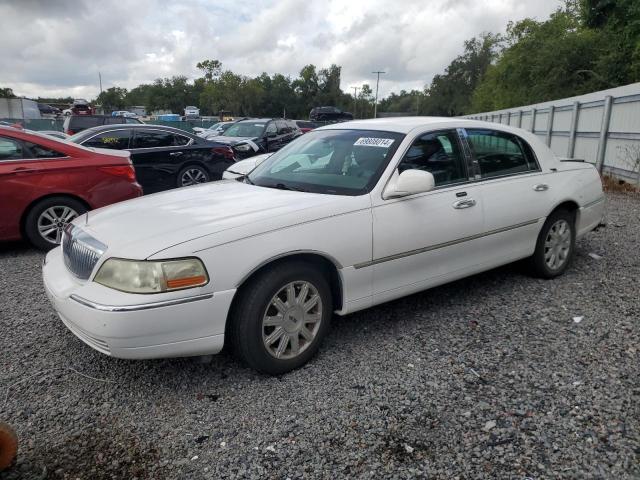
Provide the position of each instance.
(23, 170)
(175, 154)
(460, 204)
(541, 187)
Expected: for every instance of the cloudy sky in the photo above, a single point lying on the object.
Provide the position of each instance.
(57, 47)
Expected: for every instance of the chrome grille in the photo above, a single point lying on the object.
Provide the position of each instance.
(81, 251)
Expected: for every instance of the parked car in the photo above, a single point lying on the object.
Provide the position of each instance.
(81, 107)
(329, 114)
(242, 167)
(75, 124)
(305, 125)
(54, 133)
(346, 217)
(48, 109)
(191, 112)
(164, 157)
(215, 130)
(258, 135)
(45, 183)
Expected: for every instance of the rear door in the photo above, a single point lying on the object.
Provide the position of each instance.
(515, 191)
(157, 156)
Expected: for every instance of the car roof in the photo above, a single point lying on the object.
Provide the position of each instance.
(406, 124)
(135, 126)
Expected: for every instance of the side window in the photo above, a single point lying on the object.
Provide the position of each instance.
(501, 153)
(180, 140)
(38, 151)
(131, 120)
(438, 153)
(115, 140)
(10, 149)
(153, 139)
(271, 128)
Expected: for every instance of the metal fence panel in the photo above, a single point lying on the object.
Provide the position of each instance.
(600, 127)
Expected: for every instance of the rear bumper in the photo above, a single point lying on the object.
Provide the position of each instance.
(592, 215)
(157, 327)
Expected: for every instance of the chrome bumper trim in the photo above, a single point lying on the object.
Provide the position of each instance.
(142, 306)
(595, 202)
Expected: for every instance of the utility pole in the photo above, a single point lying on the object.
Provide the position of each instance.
(355, 99)
(375, 105)
(100, 79)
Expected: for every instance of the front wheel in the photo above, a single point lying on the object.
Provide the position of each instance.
(46, 220)
(192, 175)
(281, 318)
(555, 245)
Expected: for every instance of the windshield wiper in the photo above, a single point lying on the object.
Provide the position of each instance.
(283, 186)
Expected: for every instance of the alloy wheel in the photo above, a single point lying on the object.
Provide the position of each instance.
(193, 176)
(52, 221)
(557, 245)
(291, 320)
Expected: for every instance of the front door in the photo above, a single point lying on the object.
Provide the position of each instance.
(425, 239)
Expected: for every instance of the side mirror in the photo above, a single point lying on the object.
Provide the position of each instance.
(409, 182)
(271, 134)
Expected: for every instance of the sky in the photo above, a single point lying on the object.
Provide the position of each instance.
(56, 48)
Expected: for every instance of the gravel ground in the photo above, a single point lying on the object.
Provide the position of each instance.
(490, 376)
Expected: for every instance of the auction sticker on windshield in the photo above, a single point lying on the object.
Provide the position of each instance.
(375, 142)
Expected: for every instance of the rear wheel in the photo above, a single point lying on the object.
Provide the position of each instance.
(46, 220)
(555, 245)
(281, 318)
(192, 175)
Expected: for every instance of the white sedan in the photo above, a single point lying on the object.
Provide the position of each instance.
(345, 217)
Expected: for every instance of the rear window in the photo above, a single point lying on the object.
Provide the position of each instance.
(303, 124)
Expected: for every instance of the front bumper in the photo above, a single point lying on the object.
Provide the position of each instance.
(121, 325)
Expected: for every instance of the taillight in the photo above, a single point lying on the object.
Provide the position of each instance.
(125, 171)
(226, 152)
(70, 132)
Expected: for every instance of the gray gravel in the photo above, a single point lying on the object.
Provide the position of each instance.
(486, 377)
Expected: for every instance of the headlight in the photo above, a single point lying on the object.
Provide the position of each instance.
(135, 276)
(243, 147)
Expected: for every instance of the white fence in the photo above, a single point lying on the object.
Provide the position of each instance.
(601, 127)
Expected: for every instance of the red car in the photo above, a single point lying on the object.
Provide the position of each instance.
(45, 183)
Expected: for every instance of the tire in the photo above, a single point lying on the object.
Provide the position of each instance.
(8, 446)
(260, 346)
(53, 212)
(192, 175)
(555, 245)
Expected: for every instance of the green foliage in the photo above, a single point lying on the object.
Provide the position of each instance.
(6, 93)
(114, 98)
(587, 46)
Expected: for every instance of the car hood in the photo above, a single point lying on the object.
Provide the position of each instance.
(242, 167)
(141, 227)
(233, 140)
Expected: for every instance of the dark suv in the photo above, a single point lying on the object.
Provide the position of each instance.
(329, 114)
(258, 135)
(77, 123)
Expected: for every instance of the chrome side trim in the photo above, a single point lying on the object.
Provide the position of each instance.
(595, 202)
(418, 251)
(142, 306)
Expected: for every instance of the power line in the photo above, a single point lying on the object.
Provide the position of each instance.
(375, 105)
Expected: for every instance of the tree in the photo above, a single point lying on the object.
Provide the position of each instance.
(6, 93)
(211, 69)
(114, 98)
(451, 93)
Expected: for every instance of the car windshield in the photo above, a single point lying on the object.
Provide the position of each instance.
(245, 129)
(338, 162)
